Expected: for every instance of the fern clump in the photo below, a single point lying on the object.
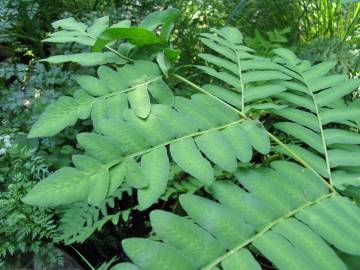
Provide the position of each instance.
(291, 213)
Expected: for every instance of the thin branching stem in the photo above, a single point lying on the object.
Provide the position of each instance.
(111, 49)
(140, 153)
(242, 87)
(322, 135)
(83, 258)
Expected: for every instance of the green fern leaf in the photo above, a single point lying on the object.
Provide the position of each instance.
(57, 116)
(303, 134)
(98, 26)
(117, 176)
(85, 163)
(99, 186)
(92, 85)
(86, 59)
(217, 150)
(242, 259)
(338, 115)
(315, 161)
(196, 243)
(135, 176)
(99, 147)
(124, 266)
(256, 136)
(239, 142)
(170, 257)
(298, 116)
(50, 192)
(188, 157)
(252, 219)
(120, 141)
(155, 166)
(140, 101)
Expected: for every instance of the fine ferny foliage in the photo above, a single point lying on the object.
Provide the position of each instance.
(291, 213)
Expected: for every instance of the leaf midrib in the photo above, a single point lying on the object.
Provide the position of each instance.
(322, 135)
(113, 163)
(121, 91)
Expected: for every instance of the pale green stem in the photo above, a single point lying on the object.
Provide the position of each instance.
(242, 88)
(111, 49)
(82, 257)
(322, 135)
(115, 162)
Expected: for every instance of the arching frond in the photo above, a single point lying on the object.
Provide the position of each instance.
(284, 214)
(128, 150)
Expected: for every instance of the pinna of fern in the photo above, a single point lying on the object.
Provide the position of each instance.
(308, 98)
(319, 117)
(248, 78)
(283, 213)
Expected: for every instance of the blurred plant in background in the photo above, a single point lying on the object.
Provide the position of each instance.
(346, 55)
(265, 44)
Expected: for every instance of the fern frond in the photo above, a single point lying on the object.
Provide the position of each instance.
(243, 73)
(106, 95)
(317, 111)
(131, 151)
(284, 214)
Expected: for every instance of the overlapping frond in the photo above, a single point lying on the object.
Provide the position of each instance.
(284, 214)
(129, 150)
(320, 117)
(241, 72)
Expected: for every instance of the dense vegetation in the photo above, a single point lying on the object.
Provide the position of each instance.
(180, 134)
